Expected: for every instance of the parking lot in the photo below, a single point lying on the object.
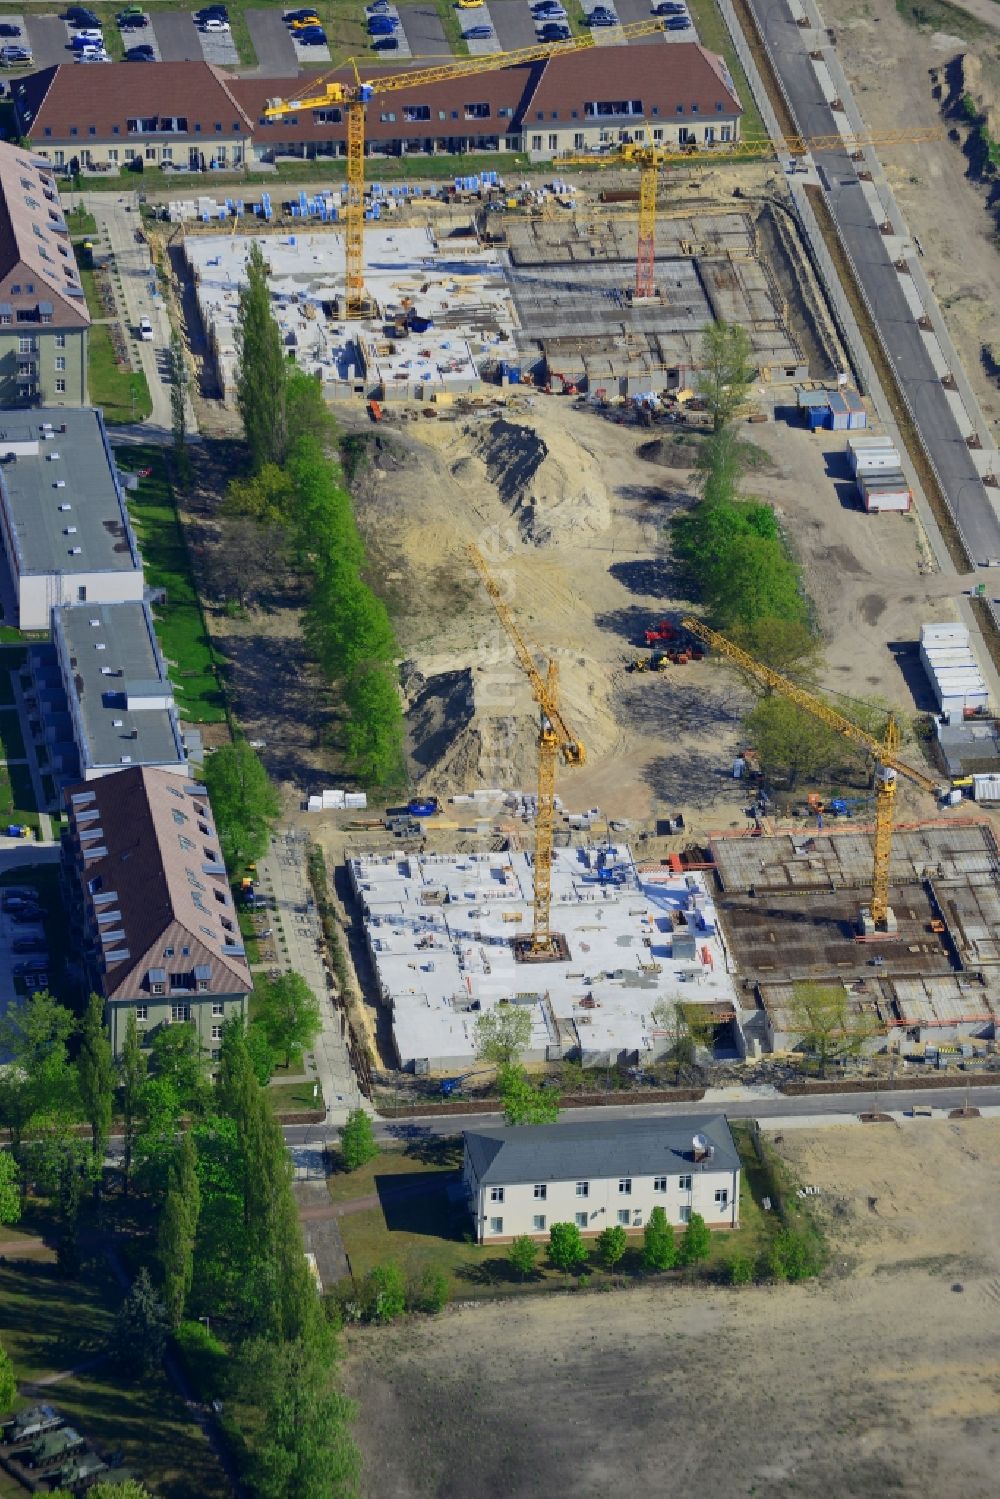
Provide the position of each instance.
(177, 36)
(421, 25)
(48, 38)
(17, 934)
(271, 43)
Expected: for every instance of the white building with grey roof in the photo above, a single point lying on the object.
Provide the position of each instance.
(600, 1174)
(65, 526)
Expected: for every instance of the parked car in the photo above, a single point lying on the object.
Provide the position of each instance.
(300, 15)
(133, 23)
(215, 23)
(87, 37)
(382, 25)
(548, 8)
(211, 13)
(33, 965)
(31, 917)
(678, 23)
(13, 56)
(302, 22)
(377, 8)
(28, 944)
(79, 15)
(129, 14)
(554, 31)
(7, 29)
(20, 902)
(316, 37)
(384, 43)
(469, 4)
(478, 33)
(145, 330)
(92, 54)
(602, 18)
(140, 54)
(670, 8)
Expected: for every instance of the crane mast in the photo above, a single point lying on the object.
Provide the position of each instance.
(888, 766)
(556, 743)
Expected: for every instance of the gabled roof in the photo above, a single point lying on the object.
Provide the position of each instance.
(678, 81)
(153, 879)
(38, 271)
(600, 1150)
(502, 96)
(73, 105)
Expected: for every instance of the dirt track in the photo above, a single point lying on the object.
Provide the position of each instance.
(884, 1379)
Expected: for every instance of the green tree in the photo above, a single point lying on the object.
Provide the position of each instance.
(10, 1192)
(696, 1241)
(129, 1488)
(177, 375)
(790, 742)
(828, 1025)
(307, 414)
(265, 497)
(288, 1012)
(68, 1216)
(522, 1102)
(358, 1144)
(261, 386)
(567, 1250)
(132, 1069)
(373, 737)
(384, 1293)
(761, 582)
(38, 1087)
(140, 1331)
(720, 465)
(178, 1228)
(178, 1085)
(346, 626)
(243, 800)
(431, 1291)
(301, 1448)
(740, 1270)
(8, 1381)
(261, 1053)
(523, 1253)
(785, 645)
(96, 1081)
(659, 1251)
(503, 1034)
(726, 371)
(612, 1243)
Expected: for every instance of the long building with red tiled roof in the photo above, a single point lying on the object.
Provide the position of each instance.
(190, 114)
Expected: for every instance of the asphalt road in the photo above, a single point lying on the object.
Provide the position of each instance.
(272, 44)
(847, 1105)
(49, 40)
(903, 339)
(177, 36)
(424, 32)
(512, 21)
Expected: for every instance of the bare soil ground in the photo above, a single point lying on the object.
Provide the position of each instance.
(882, 1379)
(571, 511)
(889, 64)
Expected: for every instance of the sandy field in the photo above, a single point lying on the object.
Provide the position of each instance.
(883, 1379)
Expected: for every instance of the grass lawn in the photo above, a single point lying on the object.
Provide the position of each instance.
(250, 941)
(17, 796)
(80, 221)
(713, 33)
(124, 396)
(289, 1098)
(425, 1230)
(11, 737)
(88, 280)
(180, 623)
(51, 1324)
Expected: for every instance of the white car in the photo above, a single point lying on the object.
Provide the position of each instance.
(145, 330)
(88, 34)
(215, 23)
(92, 54)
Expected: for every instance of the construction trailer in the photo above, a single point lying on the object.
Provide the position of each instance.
(953, 671)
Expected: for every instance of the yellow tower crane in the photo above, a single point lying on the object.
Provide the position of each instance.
(650, 158)
(354, 94)
(555, 742)
(878, 916)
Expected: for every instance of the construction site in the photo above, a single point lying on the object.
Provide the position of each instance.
(466, 297)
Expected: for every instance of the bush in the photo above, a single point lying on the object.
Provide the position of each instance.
(659, 1250)
(432, 1291)
(612, 1243)
(793, 1256)
(522, 1254)
(384, 1293)
(740, 1270)
(358, 1144)
(566, 1248)
(696, 1241)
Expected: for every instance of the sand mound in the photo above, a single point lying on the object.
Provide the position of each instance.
(669, 452)
(553, 487)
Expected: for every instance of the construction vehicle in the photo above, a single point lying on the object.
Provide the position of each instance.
(353, 95)
(662, 630)
(555, 742)
(878, 917)
(651, 158)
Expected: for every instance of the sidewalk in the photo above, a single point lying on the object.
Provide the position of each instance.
(282, 874)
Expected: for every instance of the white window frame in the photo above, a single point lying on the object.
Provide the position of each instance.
(581, 1220)
(496, 1194)
(218, 1010)
(684, 1213)
(625, 1186)
(538, 1223)
(496, 1225)
(625, 1217)
(583, 1189)
(722, 1198)
(685, 1183)
(540, 1191)
(141, 1014)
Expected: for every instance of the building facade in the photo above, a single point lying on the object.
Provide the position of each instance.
(520, 1181)
(63, 519)
(44, 320)
(191, 115)
(150, 907)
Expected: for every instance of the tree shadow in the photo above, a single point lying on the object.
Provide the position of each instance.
(497, 1271)
(652, 577)
(695, 780)
(420, 1204)
(628, 623)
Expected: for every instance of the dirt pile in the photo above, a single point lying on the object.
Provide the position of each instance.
(551, 486)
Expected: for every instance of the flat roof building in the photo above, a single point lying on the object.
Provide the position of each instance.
(440, 931)
(119, 698)
(65, 526)
(150, 904)
(598, 1175)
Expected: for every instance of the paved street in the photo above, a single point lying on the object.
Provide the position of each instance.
(283, 875)
(789, 46)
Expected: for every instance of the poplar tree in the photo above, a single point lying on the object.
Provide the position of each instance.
(96, 1078)
(262, 381)
(178, 1227)
(132, 1069)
